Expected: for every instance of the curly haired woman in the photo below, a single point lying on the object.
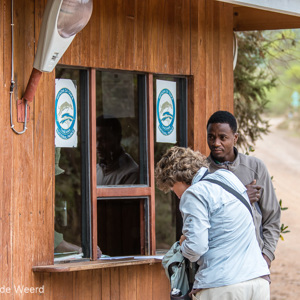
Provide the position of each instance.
(218, 230)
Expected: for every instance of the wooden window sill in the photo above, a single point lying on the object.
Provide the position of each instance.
(98, 264)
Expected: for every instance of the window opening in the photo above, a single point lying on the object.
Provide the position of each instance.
(121, 137)
(72, 180)
(168, 223)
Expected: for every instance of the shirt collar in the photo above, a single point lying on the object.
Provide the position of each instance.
(226, 163)
(199, 175)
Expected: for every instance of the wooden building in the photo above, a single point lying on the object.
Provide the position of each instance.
(189, 42)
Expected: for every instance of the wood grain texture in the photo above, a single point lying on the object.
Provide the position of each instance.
(151, 164)
(226, 60)
(211, 67)
(176, 37)
(124, 192)
(200, 22)
(6, 148)
(135, 35)
(94, 265)
(246, 18)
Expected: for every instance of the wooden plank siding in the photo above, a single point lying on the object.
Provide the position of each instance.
(6, 143)
(178, 37)
(125, 283)
(211, 85)
(136, 35)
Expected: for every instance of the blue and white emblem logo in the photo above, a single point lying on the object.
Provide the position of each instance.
(165, 111)
(65, 113)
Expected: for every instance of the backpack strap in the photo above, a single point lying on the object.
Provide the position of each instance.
(175, 263)
(232, 191)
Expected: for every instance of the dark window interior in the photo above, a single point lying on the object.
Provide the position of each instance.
(119, 226)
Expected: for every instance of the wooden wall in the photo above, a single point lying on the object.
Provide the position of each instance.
(186, 37)
(211, 87)
(193, 38)
(147, 282)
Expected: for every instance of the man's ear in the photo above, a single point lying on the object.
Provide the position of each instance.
(236, 137)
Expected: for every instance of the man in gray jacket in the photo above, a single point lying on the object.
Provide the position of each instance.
(221, 138)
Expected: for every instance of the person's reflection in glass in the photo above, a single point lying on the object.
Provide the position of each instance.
(60, 245)
(115, 166)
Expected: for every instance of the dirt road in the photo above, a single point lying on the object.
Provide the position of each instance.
(280, 152)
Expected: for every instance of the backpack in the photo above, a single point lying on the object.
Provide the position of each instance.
(177, 270)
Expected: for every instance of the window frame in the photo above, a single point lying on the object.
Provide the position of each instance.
(138, 191)
(91, 192)
(146, 192)
(86, 216)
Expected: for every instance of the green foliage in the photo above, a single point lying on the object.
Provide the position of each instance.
(266, 59)
(283, 59)
(251, 82)
(282, 208)
(283, 228)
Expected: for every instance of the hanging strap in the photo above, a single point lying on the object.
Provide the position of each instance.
(232, 191)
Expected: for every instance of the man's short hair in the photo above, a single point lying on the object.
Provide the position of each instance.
(110, 122)
(178, 164)
(223, 116)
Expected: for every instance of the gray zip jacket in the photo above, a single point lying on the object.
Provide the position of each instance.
(267, 213)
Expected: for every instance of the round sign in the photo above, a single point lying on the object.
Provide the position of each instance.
(165, 111)
(65, 113)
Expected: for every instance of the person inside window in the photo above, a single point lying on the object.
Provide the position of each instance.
(115, 166)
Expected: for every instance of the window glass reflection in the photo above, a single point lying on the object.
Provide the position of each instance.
(168, 220)
(121, 147)
(68, 171)
(115, 166)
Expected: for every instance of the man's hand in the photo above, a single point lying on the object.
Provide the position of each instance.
(253, 191)
(182, 238)
(267, 259)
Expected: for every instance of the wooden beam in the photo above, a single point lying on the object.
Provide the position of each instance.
(151, 163)
(288, 7)
(109, 192)
(246, 18)
(93, 265)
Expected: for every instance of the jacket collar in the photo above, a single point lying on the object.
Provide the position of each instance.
(227, 164)
(199, 175)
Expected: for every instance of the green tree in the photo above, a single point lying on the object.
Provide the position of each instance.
(262, 58)
(284, 60)
(251, 82)
(266, 59)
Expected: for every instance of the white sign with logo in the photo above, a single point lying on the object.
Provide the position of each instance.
(165, 111)
(65, 113)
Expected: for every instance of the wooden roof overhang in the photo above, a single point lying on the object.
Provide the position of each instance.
(265, 14)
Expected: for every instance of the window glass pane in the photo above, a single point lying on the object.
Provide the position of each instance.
(122, 226)
(68, 184)
(168, 221)
(121, 138)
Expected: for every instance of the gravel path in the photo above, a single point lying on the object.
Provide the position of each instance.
(280, 152)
